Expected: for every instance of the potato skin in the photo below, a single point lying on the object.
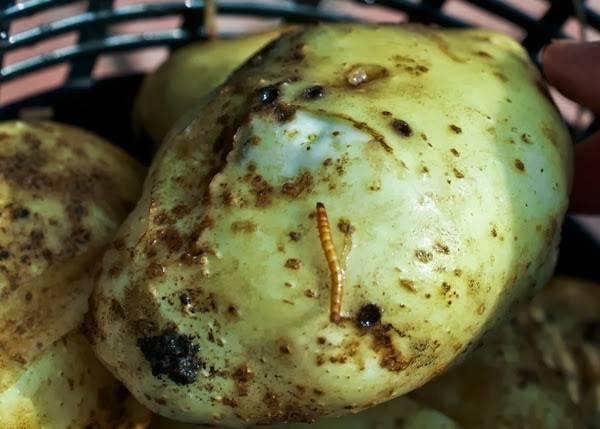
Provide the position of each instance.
(188, 75)
(66, 387)
(504, 384)
(63, 192)
(445, 171)
(404, 413)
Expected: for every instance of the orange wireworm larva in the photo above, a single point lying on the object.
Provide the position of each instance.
(335, 270)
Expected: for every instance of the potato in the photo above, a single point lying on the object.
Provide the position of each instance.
(187, 76)
(503, 385)
(444, 170)
(400, 413)
(564, 324)
(63, 192)
(66, 387)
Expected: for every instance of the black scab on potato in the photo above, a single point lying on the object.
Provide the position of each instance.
(173, 355)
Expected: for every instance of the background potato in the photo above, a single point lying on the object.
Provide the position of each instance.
(564, 324)
(63, 192)
(445, 171)
(188, 75)
(503, 385)
(66, 387)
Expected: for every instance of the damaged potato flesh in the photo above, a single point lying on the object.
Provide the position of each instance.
(188, 75)
(444, 169)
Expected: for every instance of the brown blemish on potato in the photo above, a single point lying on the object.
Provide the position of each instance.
(181, 211)
(293, 264)
(408, 285)
(440, 247)
(313, 92)
(345, 226)
(455, 129)
(481, 309)
(519, 165)
(458, 174)
(382, 344)
(295, 236)
(299, 185)
(243, 226)
(155, 270)
(454, 152)
(360, 74)
(423, 256)
(233, 311)
(483, 54)
(526, 138)
(501, 76)
(309, 293)
(550, 134)
(285, 349)
(402, 127)
(242, 377)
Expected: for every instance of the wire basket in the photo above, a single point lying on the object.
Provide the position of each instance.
(77, 39)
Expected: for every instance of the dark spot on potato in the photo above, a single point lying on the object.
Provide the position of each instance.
(458, 174)
(285, 349)
(501, 76)
(313, 92)
(345, 226)
(455, 129)
(321, 340)
(300, 184)
(483, 54)
(408, 285)
(155, 270)
(519, 164)
(360, 74)
(293, 264)
(402, 127)
(441, 248)
(20, 213)
(173, 355)
(423, 256)
(454, 152)
(386, 113)
(526, 138)
(233, 311)
(4, 254)
(185, 299)
(368, 316)
(268, 94)
(494, 232)
(295, 236)
(243, 226)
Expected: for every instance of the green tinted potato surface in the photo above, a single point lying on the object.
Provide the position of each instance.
(444, 169)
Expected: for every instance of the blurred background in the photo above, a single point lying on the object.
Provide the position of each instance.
(146, 59)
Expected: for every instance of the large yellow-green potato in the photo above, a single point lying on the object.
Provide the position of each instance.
(400, 413)
(66, 387)
(444, 169)
(188, 75)
(63, 193)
